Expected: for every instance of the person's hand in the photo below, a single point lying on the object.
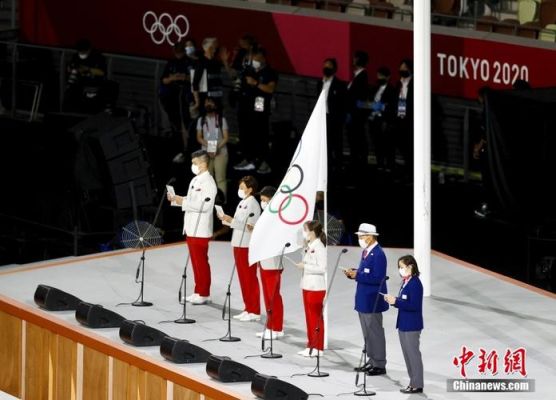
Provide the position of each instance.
(170, 197)
(390, 299)
(250, 227)
(226, 218)
(251, 81)
(350, 273)
(211, 155)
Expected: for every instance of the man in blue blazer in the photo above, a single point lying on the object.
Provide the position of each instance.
(369, 303)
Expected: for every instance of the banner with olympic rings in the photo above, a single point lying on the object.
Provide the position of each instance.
(294, 201)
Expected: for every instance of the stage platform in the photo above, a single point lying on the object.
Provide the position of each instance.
(469, 307)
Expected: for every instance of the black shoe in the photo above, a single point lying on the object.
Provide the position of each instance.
(411, 390)
(364, 368)
(376, 371)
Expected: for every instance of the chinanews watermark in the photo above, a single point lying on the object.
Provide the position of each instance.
(489, 365)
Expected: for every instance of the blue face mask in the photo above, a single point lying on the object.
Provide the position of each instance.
(190, 50)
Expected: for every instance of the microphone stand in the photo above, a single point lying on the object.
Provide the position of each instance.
(363, 391)
(270, 353)
(228, 336)
(140, 302)
(183, 318)
(317, 373)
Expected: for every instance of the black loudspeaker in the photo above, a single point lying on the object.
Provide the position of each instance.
(271, 388)
(224, 369)
(54, 299)
(182, 352)
(139, 334)
(143, 193)
(96, 316)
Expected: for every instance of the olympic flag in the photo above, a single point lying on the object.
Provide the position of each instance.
(294, 201)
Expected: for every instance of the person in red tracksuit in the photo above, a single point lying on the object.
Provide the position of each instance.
(270, 273)
(198, 207)
(313, 284)
(247, 213)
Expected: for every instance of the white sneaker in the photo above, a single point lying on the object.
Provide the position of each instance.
(200, 300)
(191, 297)
(248, 317)
(267, 332)
(240, 315)
(307, 352)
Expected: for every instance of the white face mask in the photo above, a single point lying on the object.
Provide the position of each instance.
(362, 243)
(257, 64)
(195, 169)
(404, 272)
(241, 194)
(189, 50)
(264, 204)
(306, 235)
(83, 56)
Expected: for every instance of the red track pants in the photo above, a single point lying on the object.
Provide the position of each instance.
(248, 281)
(312, 300)
(198, 251)
(270, 281)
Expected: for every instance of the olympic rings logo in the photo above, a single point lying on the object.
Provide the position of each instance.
(165, 28)
(285, 198)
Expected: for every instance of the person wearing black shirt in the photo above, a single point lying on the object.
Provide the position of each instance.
(207, 79)
(403, 120)
(357, 94)
(259, 83)
(383, 105)
(175, 94)
(335, 111)
(86, 77)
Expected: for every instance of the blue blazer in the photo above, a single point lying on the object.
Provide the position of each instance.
(370, 275)
(410, 306)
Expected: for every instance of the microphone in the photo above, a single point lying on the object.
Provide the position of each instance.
(137, 272)
(281, 262)
(344, 251)
(251, 215)
(172, 180)
(207, 199)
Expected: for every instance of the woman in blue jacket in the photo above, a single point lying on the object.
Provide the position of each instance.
(409, 303)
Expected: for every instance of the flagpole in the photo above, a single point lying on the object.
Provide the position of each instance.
(325, 312)
(422, 140)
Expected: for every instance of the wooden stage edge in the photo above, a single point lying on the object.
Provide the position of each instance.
(28, 316)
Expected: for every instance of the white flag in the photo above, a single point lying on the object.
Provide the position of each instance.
(294, 202)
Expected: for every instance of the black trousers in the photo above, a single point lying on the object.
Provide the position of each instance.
(335, 139)
(253, 134)
(385, 148)
(403, 137)
(357, 138)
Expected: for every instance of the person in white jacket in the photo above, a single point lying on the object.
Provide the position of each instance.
(198, 206)
(270, 274)
(247, 213)
(313, 283)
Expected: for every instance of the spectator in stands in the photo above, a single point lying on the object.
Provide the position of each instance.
(175, 96)
(478, 8)
(212, 135)
(242, 62)
(402, 126)
(383, 107)
(335, 111)
(207, 79)
(86, 75)
(357, 94)
(254, 110)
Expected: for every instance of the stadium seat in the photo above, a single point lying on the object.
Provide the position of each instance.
(447, 7)
(548, 33)
(527, 11)
(486, 23)
(381, 9)
(357, 7)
